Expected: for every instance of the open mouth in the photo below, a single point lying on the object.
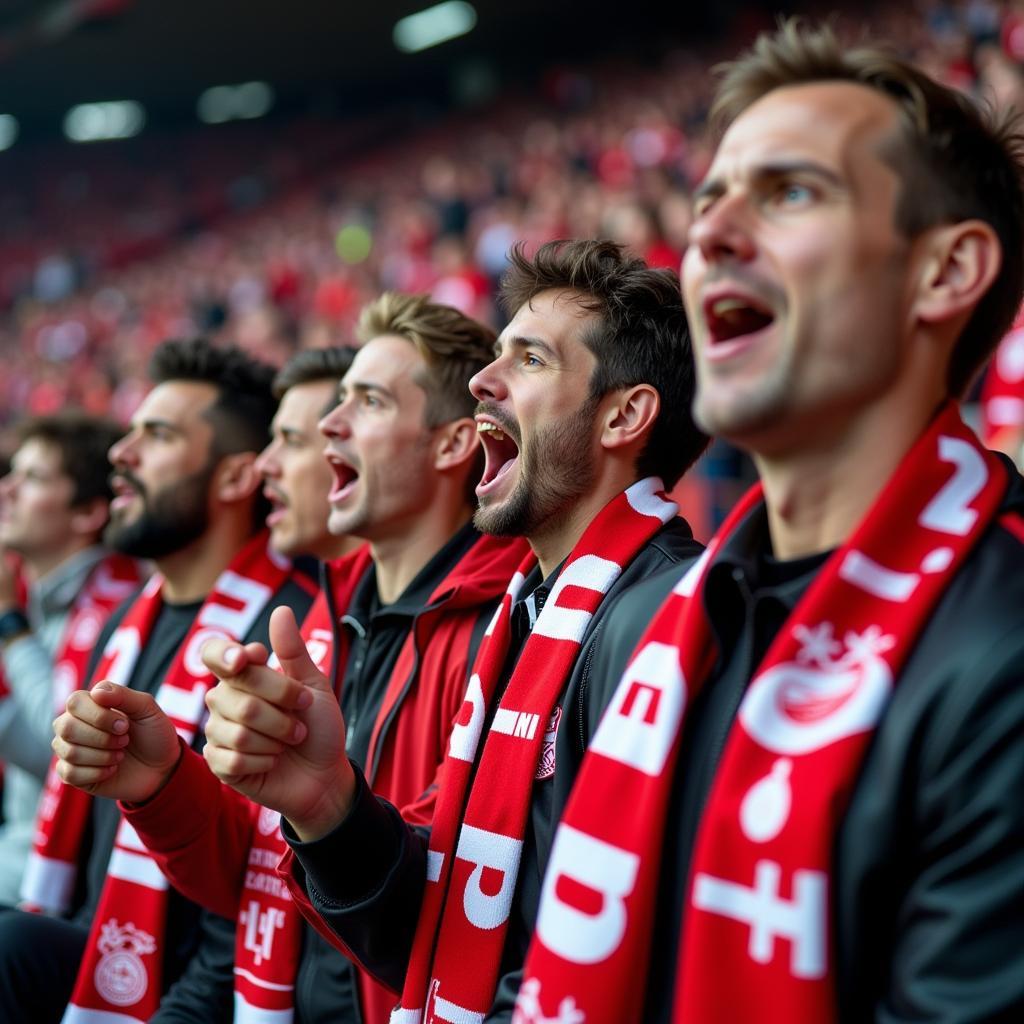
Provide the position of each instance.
(733, 316)
(501, 453)
(345, 478)
(278, 506)
(125, 493)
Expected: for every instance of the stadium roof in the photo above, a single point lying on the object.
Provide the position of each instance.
(335, 53)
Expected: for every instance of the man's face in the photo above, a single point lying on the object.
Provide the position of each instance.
(296, 477)
(378, 445)
(796, 280)
(35, 501)
(162, 472)
(536, 419)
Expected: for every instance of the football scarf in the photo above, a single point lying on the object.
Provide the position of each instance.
(756, 940)
(49, 876)
(268, 933)
(120, 972)
(456, 953)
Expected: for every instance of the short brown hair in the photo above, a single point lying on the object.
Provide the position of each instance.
(83, 442)
(642, 338)
(453, 346)
(956, 161)
(312, 364)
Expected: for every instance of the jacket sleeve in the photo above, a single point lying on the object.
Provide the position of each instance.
(199, 831)
(205, 991)
(361, 885)
(958, 953)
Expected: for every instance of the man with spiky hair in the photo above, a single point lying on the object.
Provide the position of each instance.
(53, 510)
(814, 812)
(186, 495)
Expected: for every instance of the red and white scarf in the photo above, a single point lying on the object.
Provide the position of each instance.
(473, 857)
(120, 971)
(48, 880)
(268, 933)
(756, 941)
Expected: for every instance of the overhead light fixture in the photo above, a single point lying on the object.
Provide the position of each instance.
(96, 122)
(8, 130)
(243, 102)
(434, 25)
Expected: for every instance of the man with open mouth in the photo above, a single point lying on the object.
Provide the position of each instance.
(813, 814)
(390, 642)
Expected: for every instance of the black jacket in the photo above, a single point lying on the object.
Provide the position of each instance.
(928, 917)
(366, 877)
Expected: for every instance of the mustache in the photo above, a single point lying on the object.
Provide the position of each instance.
(771, 295)
(128, 477)
(496, 413)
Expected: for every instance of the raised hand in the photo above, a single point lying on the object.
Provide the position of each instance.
(279, 737)
(115, 742)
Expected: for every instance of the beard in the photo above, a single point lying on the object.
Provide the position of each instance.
(556, 468)
(170, 519)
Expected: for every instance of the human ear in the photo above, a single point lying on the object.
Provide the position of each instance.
(960, 263)
(236, 478)
(457, 443)
(628, 420)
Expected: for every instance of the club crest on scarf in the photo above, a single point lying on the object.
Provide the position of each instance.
(833, 689)
(121, 977)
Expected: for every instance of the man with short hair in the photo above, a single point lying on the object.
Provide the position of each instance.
(584, 406)
(186, 496)
(53, 510)
(802, 802)
(395, 631)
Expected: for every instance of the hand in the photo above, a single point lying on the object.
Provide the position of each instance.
(279, 737)
(115, 742)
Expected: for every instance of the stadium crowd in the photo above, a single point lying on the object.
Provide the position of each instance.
(388, 681)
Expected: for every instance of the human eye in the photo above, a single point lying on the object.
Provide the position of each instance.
(793, 193)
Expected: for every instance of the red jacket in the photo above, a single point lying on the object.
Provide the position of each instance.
(200, 831)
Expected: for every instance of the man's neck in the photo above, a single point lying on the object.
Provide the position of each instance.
(398, 559)
(554, 541)
(190, 573)
(817, 496)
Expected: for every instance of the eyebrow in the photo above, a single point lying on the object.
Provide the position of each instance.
(156, 422)
(521, 341)
(776, 169)
(364, 388)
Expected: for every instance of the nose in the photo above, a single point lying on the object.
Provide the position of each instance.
(335, 423)
(123, 452)
(722, 231)
(266, 463)
(488, 384)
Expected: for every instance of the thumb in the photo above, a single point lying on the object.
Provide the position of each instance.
(290, 648)
(136, 705)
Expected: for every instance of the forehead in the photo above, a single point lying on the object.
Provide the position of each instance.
(302, 405)
(839, 124)
(556, 317)
(387, 361)
(178, 402)
(37, 452)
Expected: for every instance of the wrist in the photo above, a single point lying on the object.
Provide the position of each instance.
(330, 810)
